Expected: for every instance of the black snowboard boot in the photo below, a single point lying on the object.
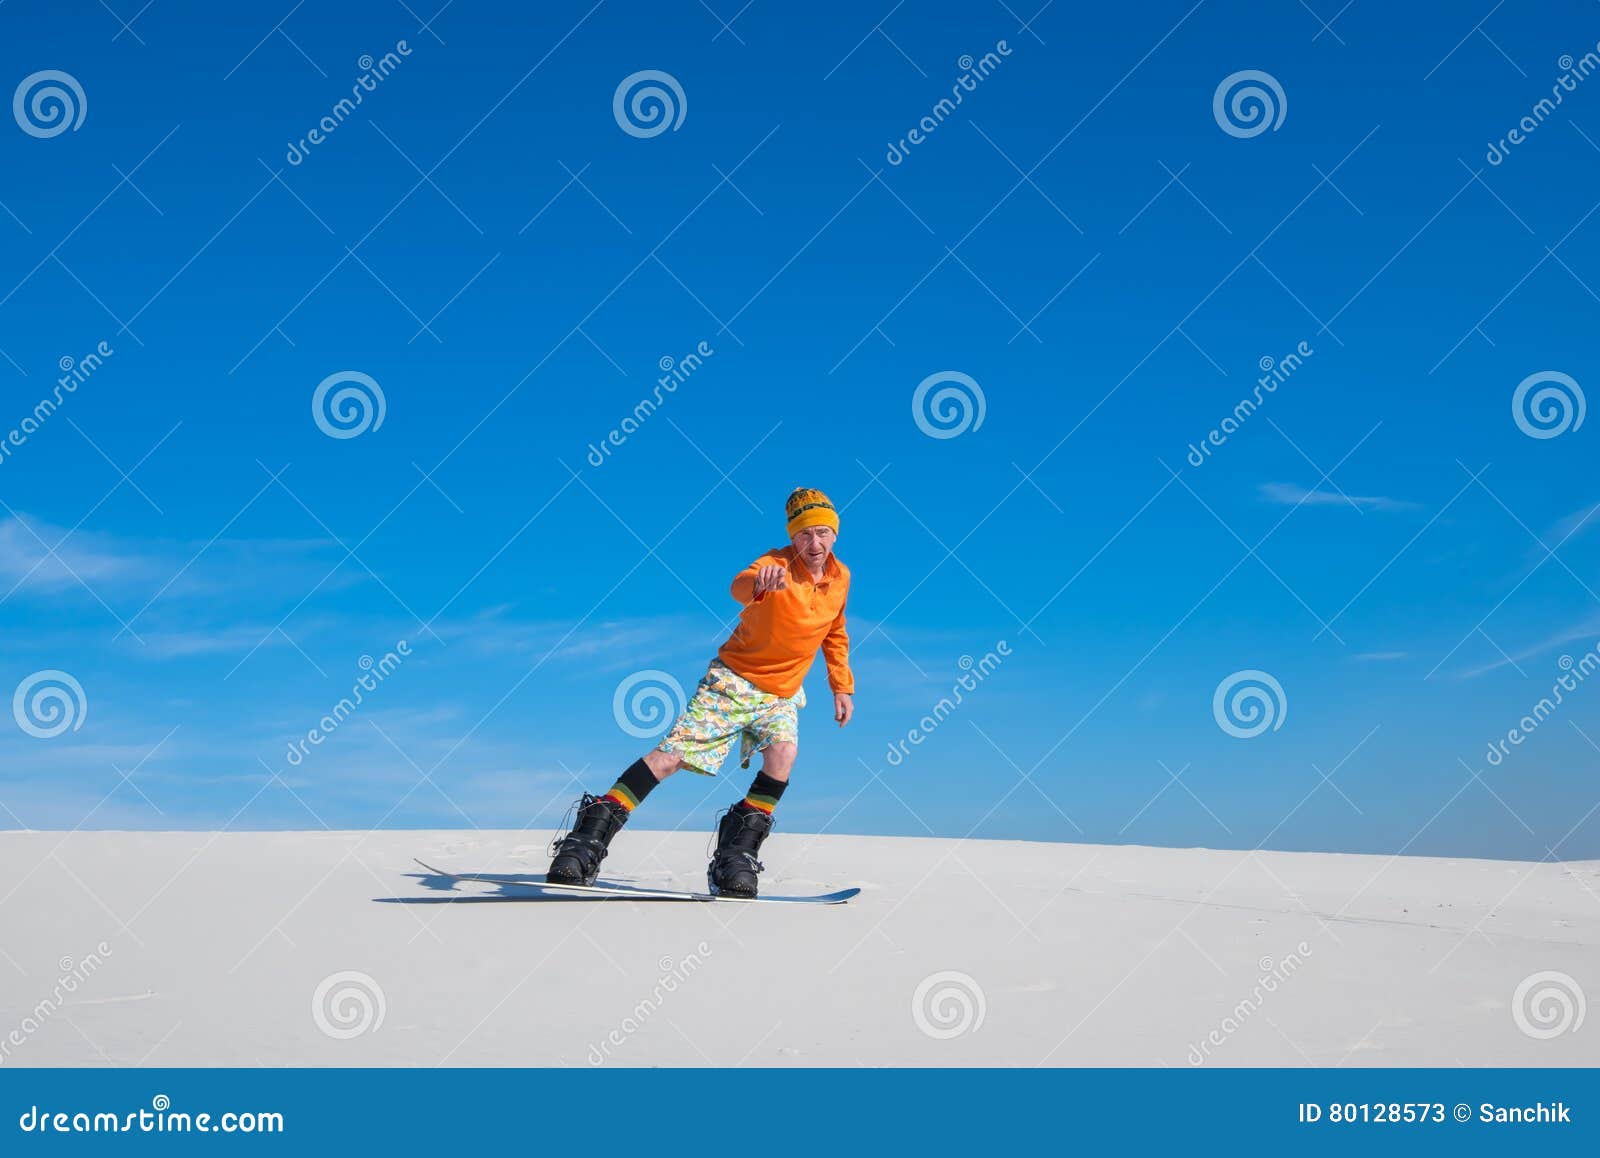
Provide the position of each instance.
(576, 857)
(734, 866)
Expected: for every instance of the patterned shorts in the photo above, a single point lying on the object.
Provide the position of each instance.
(727, 706)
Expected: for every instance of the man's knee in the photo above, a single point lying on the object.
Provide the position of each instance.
(778, 758)
(663, 764)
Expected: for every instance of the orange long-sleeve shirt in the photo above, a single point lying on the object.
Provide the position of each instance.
(779, 633)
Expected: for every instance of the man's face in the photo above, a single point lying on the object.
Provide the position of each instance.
(813, 545)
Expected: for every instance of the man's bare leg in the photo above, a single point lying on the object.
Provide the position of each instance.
(777, 759)
(663, 764)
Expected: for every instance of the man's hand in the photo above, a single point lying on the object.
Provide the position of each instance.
(771, 578)
(844, 706)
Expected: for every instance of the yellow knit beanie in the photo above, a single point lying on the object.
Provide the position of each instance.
(810, 508)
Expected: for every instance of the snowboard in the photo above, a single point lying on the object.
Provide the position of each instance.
(610, 890)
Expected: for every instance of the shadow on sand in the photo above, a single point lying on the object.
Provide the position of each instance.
(513, 887)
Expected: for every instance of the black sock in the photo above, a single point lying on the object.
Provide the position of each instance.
(633, 785)
(764, 794)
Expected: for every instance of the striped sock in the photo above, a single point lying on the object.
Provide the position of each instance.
(634, 785)
(764, 793)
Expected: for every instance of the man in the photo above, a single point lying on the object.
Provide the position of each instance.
(794, 600)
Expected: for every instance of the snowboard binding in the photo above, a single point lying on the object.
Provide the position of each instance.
(576, 857)
(734, 867)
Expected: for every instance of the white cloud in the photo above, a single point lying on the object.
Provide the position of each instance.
(1291, 494)
(26, 560)
(1587, 631)
(236, 640)
(604, 644)
(1586, 519)
(35, 559)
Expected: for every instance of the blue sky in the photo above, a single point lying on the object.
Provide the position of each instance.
(1080, 236)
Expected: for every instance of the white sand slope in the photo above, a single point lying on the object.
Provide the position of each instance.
(215, 947)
